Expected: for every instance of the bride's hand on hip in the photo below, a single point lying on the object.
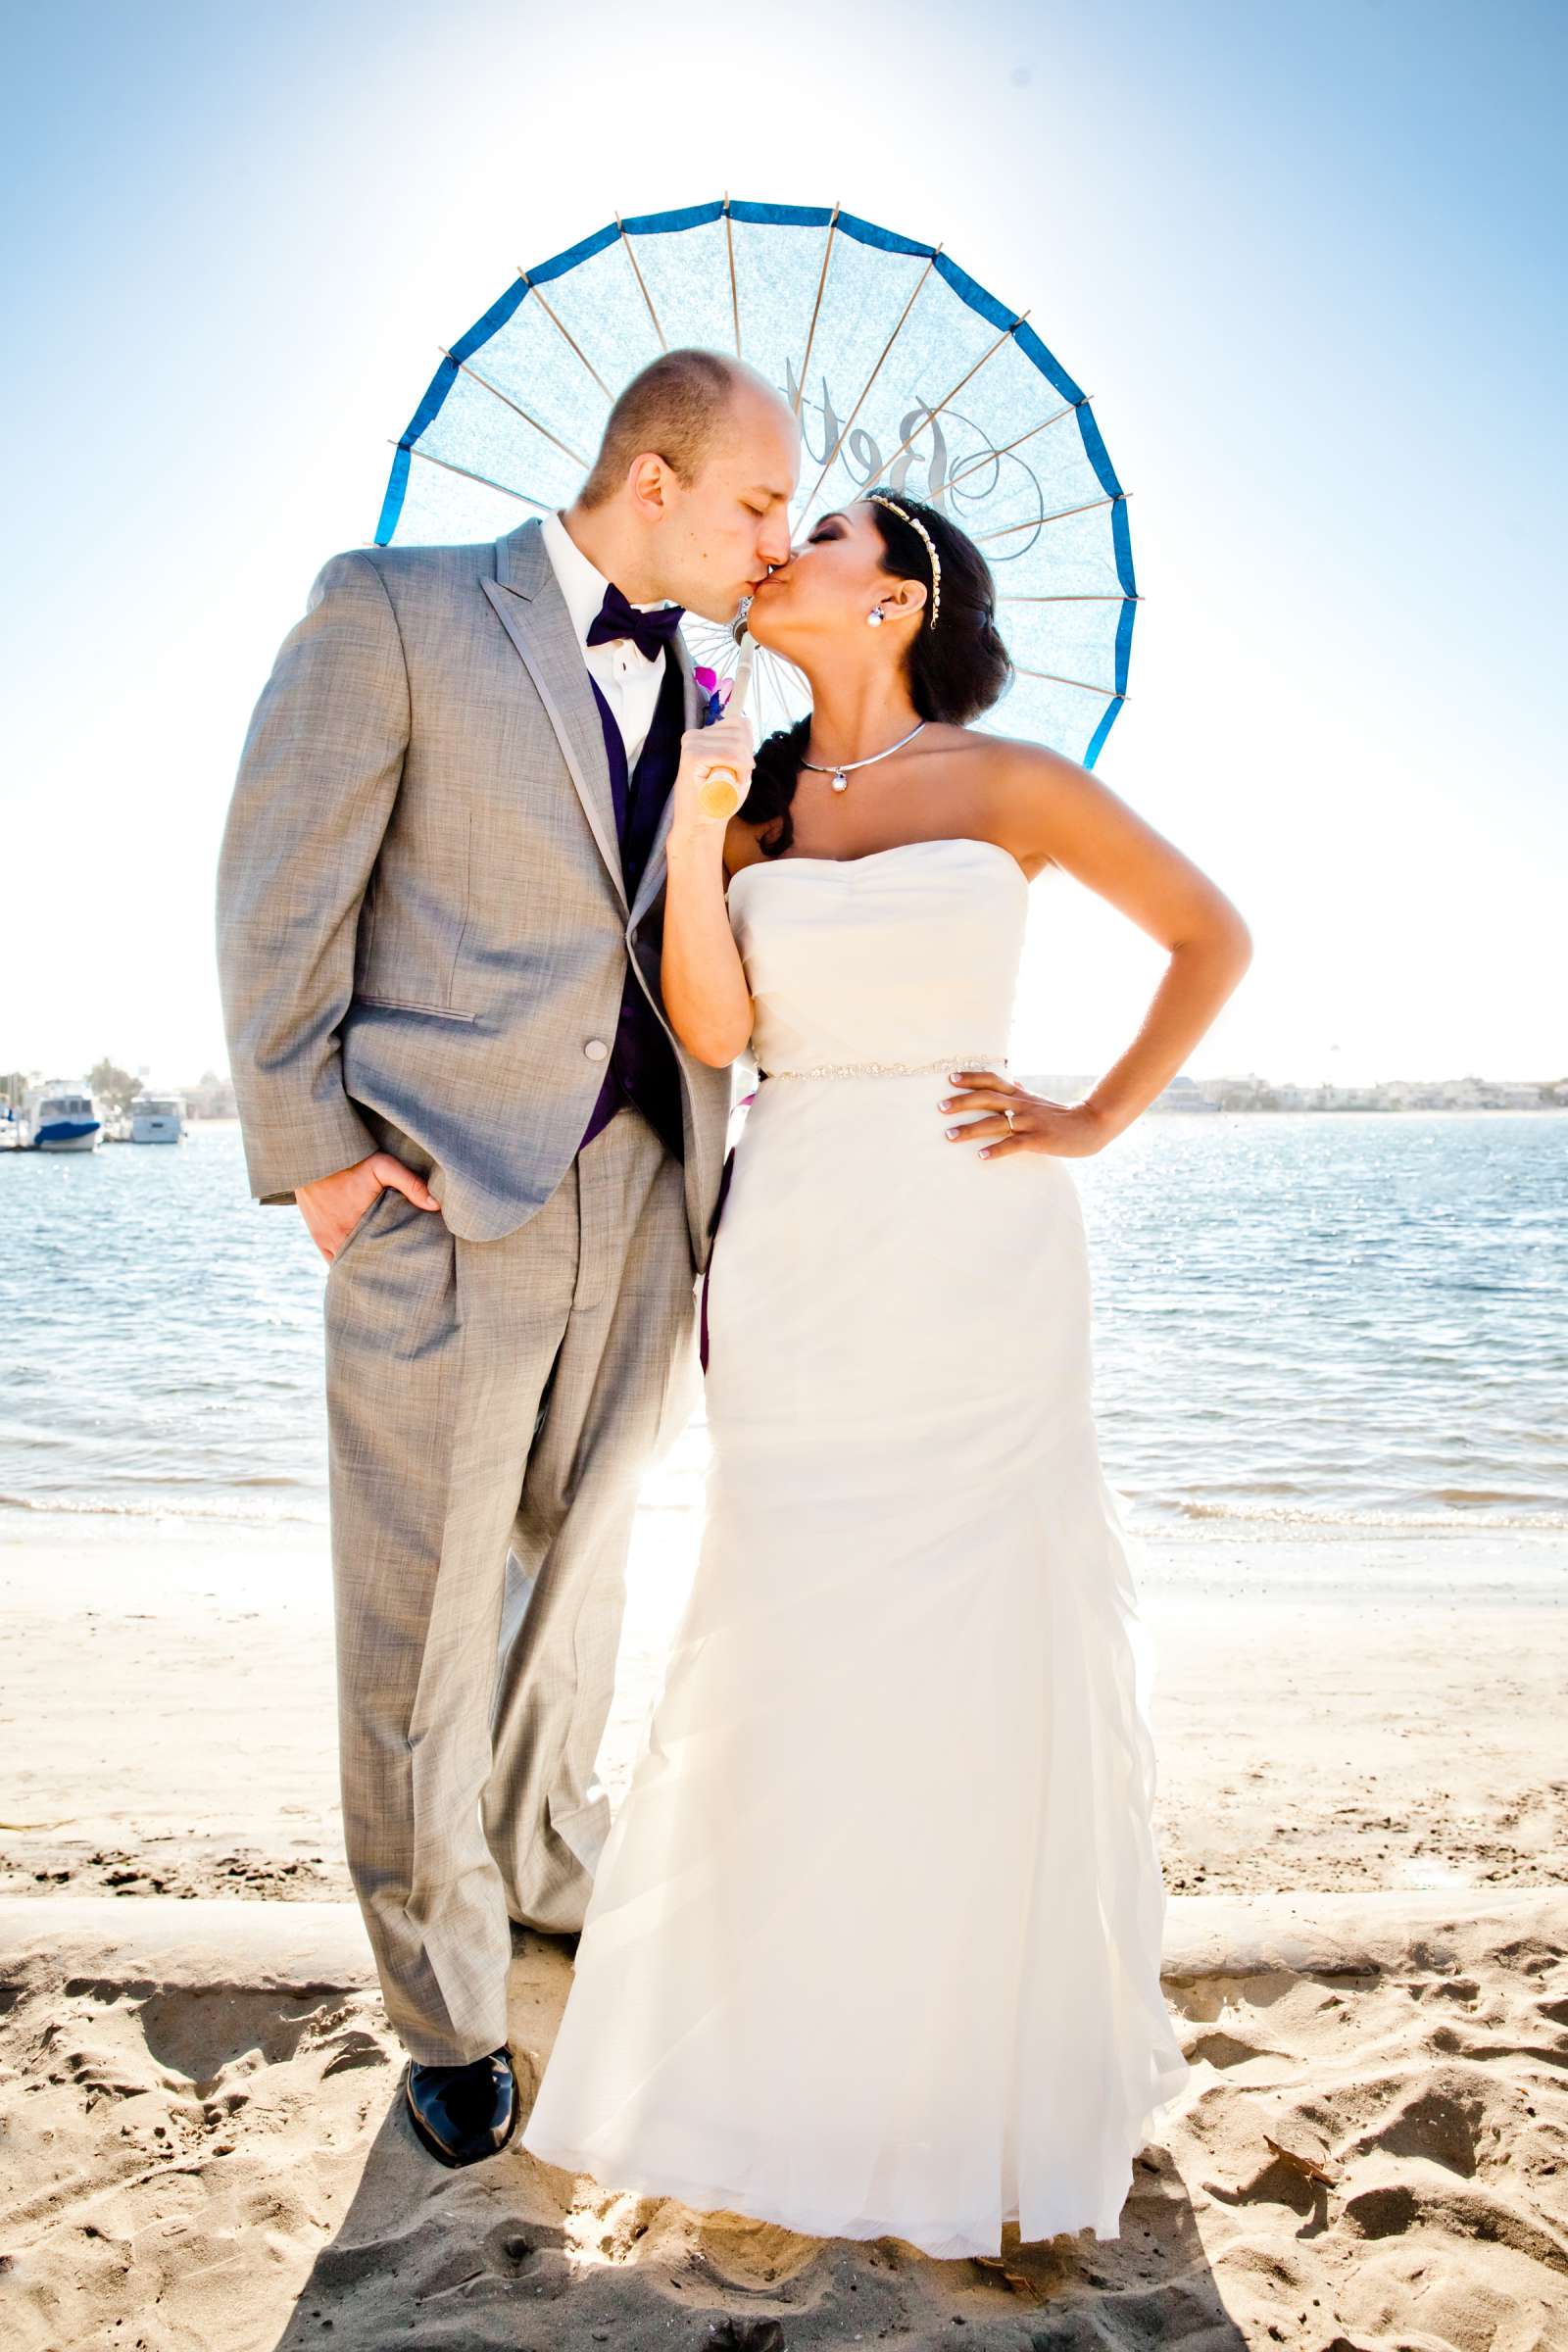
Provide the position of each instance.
(1015, 1120)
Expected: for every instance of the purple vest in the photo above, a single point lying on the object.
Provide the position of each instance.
(642, 1068)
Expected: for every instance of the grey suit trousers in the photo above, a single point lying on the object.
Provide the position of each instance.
(492, 1406)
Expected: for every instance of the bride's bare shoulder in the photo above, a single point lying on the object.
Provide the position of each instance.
(1026, 782)
(1024, 795)
(1053, 811)
(1010, 758)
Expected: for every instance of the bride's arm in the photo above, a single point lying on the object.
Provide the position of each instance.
(1056, 810)
(700, 973)
(1051, 813)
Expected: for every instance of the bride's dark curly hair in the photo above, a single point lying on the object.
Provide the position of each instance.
(954, 671)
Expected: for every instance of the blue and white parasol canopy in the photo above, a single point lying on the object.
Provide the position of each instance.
(901, 371)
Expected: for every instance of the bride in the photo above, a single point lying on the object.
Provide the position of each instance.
(873, 1943)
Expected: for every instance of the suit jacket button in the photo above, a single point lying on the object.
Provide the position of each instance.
(597, 1049)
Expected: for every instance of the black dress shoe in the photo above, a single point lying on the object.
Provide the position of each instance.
(462, 2113)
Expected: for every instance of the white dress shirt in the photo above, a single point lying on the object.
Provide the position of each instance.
(626, 678)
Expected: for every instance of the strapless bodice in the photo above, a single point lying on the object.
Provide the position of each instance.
(904, 958)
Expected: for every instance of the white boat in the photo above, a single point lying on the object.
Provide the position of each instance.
(61, 1118)
(157, 1119)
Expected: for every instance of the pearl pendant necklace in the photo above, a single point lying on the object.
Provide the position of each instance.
(841, 774)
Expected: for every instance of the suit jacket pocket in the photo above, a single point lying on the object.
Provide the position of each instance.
(432, 1013)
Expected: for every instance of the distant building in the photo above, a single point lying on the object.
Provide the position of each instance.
(211, 1098)
(1250, 1092)
(1183, 1094)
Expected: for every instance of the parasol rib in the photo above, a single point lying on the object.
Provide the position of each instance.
(564, 447)
(546, 505)
(1084, 598)
(1034, 523)
(734, 291)
(986, 455)
(1109, 692)
(932, 414)
(641, 284)
(865, 390)
(817, 307)
(565, 334)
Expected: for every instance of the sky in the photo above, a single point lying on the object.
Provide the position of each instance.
(1302, 259)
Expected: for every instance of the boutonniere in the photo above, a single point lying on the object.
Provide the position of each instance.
(715, 688)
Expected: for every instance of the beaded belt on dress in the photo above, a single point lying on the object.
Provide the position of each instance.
(893, 1069)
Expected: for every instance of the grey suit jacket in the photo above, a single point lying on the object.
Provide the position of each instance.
(421, 910)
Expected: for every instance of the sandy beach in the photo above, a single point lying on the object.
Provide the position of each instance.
(1332, 1712)
(1364, 1795)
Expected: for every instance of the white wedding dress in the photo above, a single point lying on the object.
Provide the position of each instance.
(873, 1944)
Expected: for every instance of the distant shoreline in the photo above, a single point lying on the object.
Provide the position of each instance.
(1057, 1089)
(42, 1519)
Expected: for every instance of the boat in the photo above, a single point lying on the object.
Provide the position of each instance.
(157, 1119)
(63, 1117)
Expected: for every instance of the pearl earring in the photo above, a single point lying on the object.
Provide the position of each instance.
(876, 617)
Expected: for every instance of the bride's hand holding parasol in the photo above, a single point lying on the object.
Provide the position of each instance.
(714, 777)
(703, 980)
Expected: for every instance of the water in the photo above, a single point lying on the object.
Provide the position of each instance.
(1337, 1316)
(1334, 1319)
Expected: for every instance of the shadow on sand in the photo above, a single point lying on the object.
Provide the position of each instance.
(513, 2254)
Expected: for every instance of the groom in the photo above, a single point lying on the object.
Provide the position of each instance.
(439, 921)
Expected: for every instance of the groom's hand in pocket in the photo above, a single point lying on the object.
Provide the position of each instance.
(334, 1204)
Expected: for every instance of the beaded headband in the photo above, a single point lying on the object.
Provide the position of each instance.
(916, 524)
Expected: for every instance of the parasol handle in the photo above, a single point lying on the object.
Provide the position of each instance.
(719, 793)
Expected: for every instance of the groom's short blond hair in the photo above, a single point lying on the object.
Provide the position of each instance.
(677, 407)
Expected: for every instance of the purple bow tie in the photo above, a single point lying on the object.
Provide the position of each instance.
(650, 632)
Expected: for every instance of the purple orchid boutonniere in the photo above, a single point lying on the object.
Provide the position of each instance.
(715, 688)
